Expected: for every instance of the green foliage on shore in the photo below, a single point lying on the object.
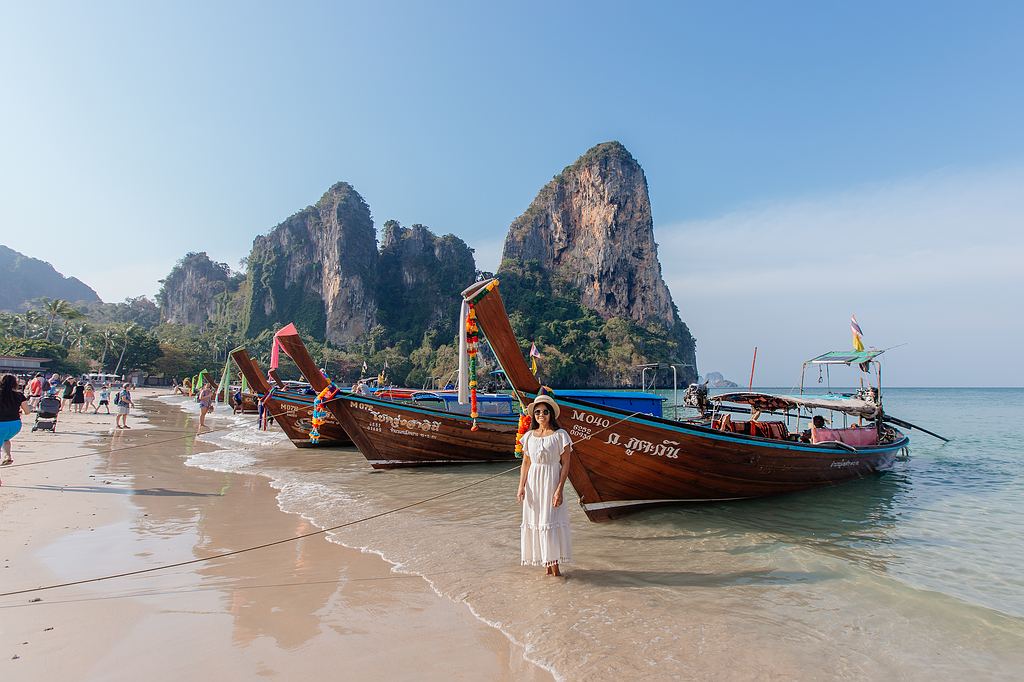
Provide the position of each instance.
(39, 348)
(116, 338)
(577, 346)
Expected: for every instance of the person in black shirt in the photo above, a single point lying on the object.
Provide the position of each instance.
(818, 422)
(69, 392)
(12, 404)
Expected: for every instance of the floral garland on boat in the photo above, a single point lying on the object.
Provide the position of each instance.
(472, 349)
(524, 426)
(319, 413)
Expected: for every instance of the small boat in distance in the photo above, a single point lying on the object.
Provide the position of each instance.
(290, 407)
(405, 433)
(624, 461)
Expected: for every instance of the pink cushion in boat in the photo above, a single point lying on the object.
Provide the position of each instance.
(858, 438)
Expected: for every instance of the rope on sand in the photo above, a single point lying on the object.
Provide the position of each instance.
(261, 546)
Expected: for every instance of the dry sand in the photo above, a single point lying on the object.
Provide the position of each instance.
(303, 610)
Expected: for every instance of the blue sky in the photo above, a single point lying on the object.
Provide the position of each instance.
(794, 151)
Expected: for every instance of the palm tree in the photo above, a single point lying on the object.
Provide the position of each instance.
(30, 320)
(107, 337)
(54, 308)
(65, 330)
(79, 336)
(125, 333)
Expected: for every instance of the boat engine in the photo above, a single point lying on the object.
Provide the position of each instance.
(696, 396)
(868, 394)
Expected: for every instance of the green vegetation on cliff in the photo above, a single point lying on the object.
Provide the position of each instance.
(577, 346)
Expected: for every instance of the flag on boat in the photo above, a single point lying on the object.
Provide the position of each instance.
(858, 336)
(364, 367)
(534, 354)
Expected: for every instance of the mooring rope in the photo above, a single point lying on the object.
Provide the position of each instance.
(260, 546)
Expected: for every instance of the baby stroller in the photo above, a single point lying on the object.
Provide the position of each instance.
(46, 414)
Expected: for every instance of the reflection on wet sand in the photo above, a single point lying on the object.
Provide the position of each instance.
(308, 595)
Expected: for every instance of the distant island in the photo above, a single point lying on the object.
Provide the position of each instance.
(716, 380)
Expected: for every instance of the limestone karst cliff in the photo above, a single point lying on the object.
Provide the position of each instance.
(589, 237)
(321, 269)
(421, 277)
(194, 289)
(317, 269)
(580, 277)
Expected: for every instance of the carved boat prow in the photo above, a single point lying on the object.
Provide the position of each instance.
(292, 410)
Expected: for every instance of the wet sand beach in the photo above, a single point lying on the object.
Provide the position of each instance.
(293, 611)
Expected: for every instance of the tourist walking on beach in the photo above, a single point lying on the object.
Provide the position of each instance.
(69, 392)
(78, 396)
(90, 396)
(35, 389)
(13, 404)
(544, 536)
(123, 403)
(205, 399)
(104, 399)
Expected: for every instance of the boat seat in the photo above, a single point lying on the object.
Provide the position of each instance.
(857, 437)
(775, 430)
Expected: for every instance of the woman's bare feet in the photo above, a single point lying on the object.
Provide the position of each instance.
(555, 572)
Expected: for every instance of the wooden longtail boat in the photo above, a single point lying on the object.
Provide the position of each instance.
(291, 409)
(393, 434)
(250, 401)
(624, 461)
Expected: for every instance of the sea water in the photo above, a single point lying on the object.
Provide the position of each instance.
(912, 574)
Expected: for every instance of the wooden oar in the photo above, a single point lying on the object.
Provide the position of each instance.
(908, 425)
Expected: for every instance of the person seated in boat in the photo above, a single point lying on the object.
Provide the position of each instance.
(817, 423)
(360, 388)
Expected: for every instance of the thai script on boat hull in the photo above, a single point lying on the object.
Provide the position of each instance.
(666, 448)
(400, 424)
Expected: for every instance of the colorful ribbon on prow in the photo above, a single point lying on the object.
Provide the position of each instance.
(319, 413)
(472, 349)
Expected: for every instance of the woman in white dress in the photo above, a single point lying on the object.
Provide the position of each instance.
(545, 537)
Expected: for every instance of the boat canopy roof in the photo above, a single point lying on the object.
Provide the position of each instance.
(587, 394)
(776, 403)
(845, 357)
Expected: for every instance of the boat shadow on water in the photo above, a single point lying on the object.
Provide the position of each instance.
(855, 521)
(623, 578)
